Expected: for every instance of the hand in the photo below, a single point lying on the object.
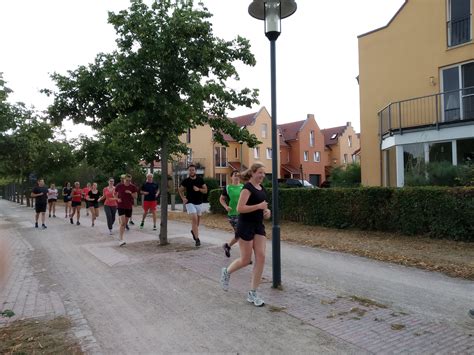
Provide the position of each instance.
(267, 214)
(128, 191)
(145, 193)
(195, 188)
(119, 200)
(185, 201)
(263, 205)
(227, 208)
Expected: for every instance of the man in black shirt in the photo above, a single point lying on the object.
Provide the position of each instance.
(195, 188)
(40, 193)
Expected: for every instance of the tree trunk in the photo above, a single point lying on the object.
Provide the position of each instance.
(164, 193)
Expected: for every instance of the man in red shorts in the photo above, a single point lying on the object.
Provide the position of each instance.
(126, 193)
(150, 193)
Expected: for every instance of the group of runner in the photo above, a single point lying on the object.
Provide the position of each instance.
(245, 203)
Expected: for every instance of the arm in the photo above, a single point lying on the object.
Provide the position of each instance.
(223, 201)
(203, 189)
(242, 204)
(181, 194)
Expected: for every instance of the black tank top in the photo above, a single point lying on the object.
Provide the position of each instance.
(256, 197)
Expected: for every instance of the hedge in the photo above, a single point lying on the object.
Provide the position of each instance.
(438, 212)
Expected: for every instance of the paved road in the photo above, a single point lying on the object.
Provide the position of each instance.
(145, 299)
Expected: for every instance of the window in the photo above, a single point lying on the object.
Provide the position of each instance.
(264, 130)
(349, 141)
(459, 22)
(345, 159)
(220, 154)
(311, 139)
(222, 179)
(465, 150)
(188, 136)
(317, 157)
(458, 102)
(306, 156)
(256, 153)
(189, 157)
(441, 152)
(334, 136)
(269, 153)
(236, 153)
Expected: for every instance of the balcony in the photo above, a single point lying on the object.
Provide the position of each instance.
(433, 112)
(181, 166)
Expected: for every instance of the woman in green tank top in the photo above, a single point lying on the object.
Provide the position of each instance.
(229, 199)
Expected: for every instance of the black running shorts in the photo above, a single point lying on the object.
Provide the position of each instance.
(76, 204)
(247, 231)
(125, 211)
(40, 207)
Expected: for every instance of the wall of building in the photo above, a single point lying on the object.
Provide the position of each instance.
(397, 63)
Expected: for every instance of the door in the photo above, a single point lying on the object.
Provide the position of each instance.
(315, 179)
(458, 93)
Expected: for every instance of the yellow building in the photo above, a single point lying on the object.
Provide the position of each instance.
(416, 78)
(215, 160)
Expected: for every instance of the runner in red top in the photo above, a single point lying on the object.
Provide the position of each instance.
(126, 193)
(76, 202)
(85, 193)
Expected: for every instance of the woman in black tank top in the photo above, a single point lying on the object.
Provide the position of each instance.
(253, 208)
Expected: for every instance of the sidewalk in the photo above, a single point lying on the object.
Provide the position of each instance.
(308, 295)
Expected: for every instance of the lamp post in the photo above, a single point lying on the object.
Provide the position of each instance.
(272, 11)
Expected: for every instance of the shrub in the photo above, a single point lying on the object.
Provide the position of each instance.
(349, 176)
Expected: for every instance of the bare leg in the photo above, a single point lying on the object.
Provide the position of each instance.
(245, 256)
(195, 225)
(259, 246)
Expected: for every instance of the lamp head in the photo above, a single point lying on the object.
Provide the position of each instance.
(272, 11)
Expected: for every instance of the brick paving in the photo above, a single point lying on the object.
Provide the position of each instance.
(28, 298)
(368, 325)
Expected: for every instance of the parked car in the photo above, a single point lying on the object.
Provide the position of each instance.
(299, 183)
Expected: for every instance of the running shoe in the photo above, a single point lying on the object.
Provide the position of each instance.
(122, 243)
(154, 228)
(110, 232)
(92, 224)
(126, 227)
(141, 225)
(471, 313)
(49, 215)
(225, 277)
(43, 226)
(36, 225)
(54, 216)
(226, 248)
(78, 223)
(131, 222)
(254, 298)
(70, 220)
(198, 242)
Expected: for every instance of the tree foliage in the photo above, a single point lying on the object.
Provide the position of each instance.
(168, 74)
(348, 176)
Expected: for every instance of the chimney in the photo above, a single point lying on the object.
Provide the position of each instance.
(310, 115)
(348, 124)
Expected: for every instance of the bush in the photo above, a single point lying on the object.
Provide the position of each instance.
(349, 176)
(439, 212)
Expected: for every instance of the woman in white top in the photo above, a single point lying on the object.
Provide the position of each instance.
(52, 198)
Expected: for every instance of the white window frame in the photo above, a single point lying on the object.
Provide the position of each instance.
(256, 153)
(222, 178)
(305, 155)
(189, 156)
(449, 19)
(264, 130)
(222, 157)
(311, 138)
(269, 153)
(346, 158)
(349, 141)
(317, 157)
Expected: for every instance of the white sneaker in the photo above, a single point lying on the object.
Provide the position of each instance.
(110, 232)
(254, 298)
(122, 243)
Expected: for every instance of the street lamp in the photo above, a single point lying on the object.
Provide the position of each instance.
(272, 11)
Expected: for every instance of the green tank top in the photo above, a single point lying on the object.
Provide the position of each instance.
(233, 193)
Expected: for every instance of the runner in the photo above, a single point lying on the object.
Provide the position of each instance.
(126, 194)
(122, 180)
(228, 199)
(253, 208)
(195, 188)
(85, 193)
(67, 191)
(40, 193)
(76, 202)
(150, 192)
(52, 199)
(92, 198)
(110, 204)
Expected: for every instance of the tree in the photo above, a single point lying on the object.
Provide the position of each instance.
(168, 74)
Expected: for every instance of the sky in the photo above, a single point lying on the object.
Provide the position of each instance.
(316, 53)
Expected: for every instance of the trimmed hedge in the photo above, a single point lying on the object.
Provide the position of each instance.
(439, 212)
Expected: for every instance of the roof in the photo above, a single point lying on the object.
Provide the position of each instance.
(331, 135)
(388, 24)
(356, 152)
(156, 164)
(245, 120)
(235, 165)
(289, 131)
(290, 169)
